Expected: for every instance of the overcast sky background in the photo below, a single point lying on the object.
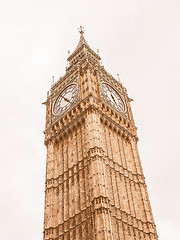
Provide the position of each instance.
(140, 40)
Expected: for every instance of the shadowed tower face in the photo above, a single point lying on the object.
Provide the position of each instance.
(95, 187)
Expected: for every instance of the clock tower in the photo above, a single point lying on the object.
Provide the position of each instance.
(95, 187)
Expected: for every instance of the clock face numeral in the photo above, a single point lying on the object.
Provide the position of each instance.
(65, 99)
(113, 97)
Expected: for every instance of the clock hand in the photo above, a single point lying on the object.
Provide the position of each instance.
(58, 107)
(67, 100)
(113, 99)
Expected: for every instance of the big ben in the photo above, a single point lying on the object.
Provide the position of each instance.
(95, 187)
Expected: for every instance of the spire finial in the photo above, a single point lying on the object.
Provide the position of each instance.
(81, 30)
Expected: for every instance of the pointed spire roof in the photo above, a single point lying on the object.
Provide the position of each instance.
(82, 39)
(82, 42)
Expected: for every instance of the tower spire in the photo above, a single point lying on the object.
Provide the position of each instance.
(82, 39)
(82, 42)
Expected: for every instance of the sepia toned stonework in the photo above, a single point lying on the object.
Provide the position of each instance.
(95, 187)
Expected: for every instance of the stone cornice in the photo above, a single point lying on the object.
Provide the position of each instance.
(116, 126)
(57, 132)
(99, 105)
(95, 154)
(143, 226)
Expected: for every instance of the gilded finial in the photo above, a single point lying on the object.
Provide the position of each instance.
(81, 30)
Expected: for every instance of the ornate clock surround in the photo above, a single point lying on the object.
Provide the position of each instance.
(63, 84)
(70, 88)
(120, 91)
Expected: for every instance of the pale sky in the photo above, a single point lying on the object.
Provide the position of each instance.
(140, 40)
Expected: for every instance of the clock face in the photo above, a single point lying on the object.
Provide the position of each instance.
(113, 97)
(65, 99)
